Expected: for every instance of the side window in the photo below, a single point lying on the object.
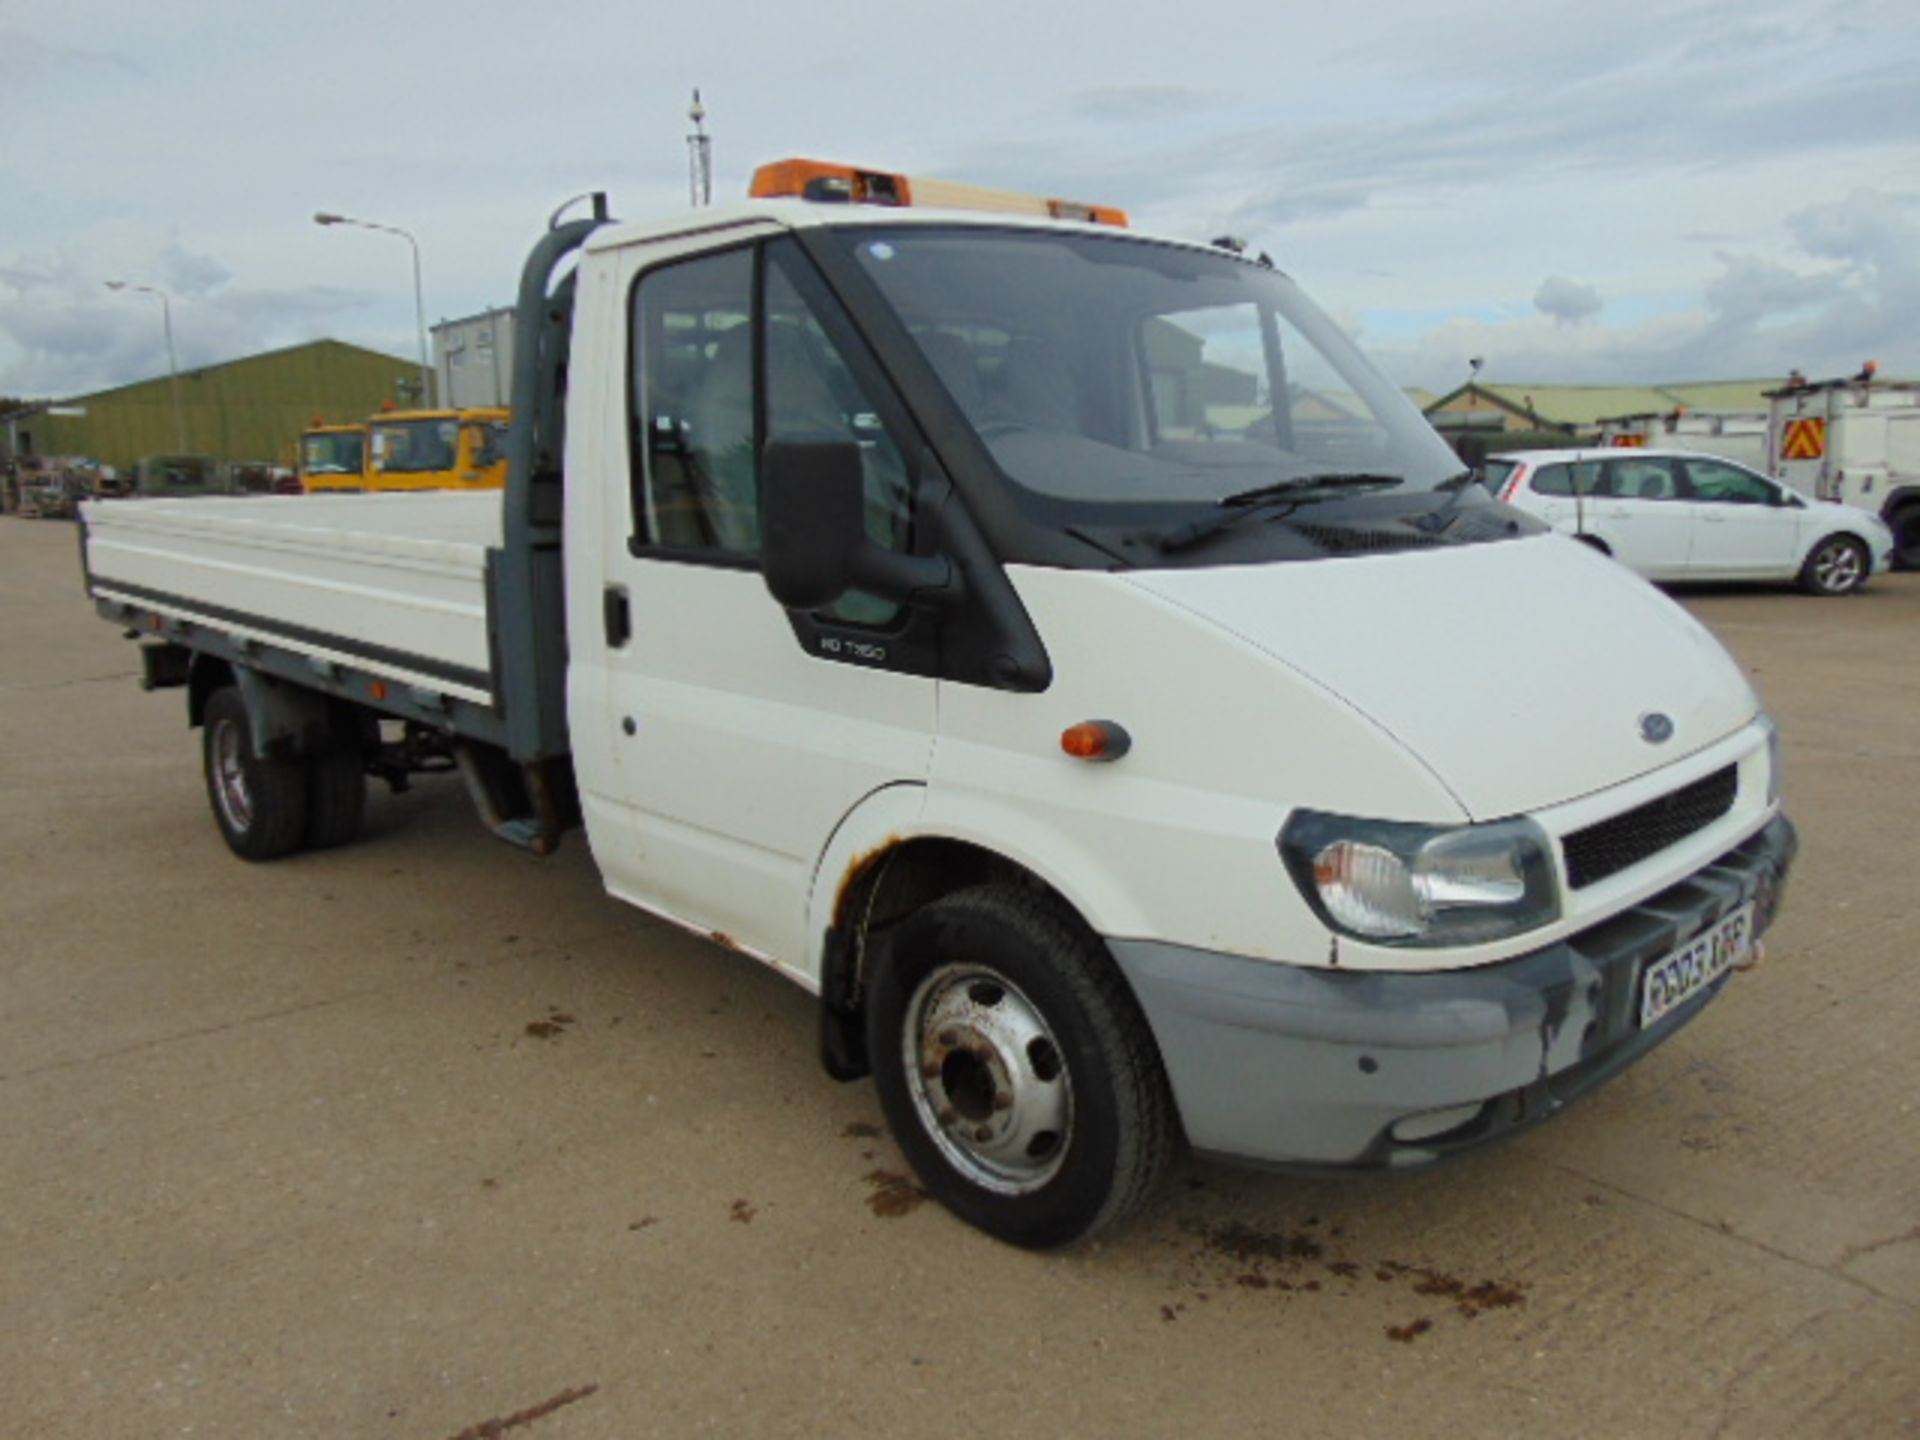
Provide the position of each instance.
(700, 414)
(1727, 484)
(1553, 480)
(1581, 477)
(698, 486)
(1642, 480)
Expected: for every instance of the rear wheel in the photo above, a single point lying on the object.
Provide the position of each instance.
(1836, 566)
(1015, 1068)
(259, 804)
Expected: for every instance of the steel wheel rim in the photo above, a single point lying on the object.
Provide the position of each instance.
(1837, 568)
(988, 1079)
(230, 776)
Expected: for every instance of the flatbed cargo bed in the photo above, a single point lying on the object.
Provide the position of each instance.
(390, 586)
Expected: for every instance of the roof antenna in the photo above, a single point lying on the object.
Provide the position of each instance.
(699, 155)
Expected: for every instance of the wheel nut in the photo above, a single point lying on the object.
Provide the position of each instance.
(983, 1133)
(947, 1116)
(930, 1071)
(950, 1038)
(1003, 1100)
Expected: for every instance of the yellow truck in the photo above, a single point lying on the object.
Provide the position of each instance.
(409, 450)
(333, 457)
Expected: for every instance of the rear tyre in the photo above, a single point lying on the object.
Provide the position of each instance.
(259, 804)
(1838, 565)
(336, 796)
(1015, 1068)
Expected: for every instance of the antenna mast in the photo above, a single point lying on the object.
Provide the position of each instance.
(699, 155)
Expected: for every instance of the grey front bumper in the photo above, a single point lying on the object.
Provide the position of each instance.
(1317, 1069)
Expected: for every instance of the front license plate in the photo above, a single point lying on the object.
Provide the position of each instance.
(1676, 979)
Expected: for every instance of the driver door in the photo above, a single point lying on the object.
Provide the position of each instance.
(732, 751)
(1740, 526)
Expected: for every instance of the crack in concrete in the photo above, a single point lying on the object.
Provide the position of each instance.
(27, 686)
(1721, 1229)
(1854, 1252)
(1766, 1353)
(240, 1022)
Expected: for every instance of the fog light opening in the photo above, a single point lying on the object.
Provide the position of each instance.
(1431, 1124)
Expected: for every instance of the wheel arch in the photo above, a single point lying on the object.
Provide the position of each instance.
(206, 674)
(873, 888)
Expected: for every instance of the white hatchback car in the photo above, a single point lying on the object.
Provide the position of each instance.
(1674, 515)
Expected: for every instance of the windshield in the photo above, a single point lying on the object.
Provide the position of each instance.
(412, 447)
(337, 454)
(1112, 374)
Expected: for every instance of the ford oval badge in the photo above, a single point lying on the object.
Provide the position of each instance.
(1655, 728)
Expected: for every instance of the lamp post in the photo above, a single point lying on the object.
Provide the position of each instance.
(419, 299)
(173, 366)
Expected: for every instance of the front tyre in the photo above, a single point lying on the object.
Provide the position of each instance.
(1838, 565)
(1015, 1068)
(259, 804)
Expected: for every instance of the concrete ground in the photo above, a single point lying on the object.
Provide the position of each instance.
(429, 1138)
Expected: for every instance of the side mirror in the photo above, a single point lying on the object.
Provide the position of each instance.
(813, 538)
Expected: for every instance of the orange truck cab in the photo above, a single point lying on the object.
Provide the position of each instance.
(409, 450)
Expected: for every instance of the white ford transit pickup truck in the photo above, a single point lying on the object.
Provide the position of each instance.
(1060, 651)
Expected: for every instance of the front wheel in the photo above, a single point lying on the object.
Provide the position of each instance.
(1015, 1068)
(259, 804)
(1838, 565)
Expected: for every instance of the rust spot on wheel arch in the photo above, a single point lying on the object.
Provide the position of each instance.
(857, 867)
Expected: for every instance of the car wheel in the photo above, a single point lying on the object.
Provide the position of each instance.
(1838, 565)
(259, 804)
(1015, 1068)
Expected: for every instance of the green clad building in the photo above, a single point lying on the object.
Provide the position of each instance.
(249, 409)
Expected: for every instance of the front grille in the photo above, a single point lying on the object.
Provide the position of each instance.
(1626, 839)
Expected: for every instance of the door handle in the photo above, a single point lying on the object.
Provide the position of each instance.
(618, 615)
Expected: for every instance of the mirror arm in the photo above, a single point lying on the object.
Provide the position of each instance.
(911, 579)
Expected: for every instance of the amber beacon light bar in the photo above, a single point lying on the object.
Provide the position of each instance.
(847, 184)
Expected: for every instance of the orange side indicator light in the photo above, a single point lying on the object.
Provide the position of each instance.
(378, 689)
(1095, 740)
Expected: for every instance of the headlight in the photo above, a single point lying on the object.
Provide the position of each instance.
(1397, 884)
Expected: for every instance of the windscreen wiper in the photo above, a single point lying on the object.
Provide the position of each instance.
(1301, 490)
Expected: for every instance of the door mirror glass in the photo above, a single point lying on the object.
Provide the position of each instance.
(814, 547)
(812, 501)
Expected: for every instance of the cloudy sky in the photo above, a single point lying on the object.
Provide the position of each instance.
(1591, 192)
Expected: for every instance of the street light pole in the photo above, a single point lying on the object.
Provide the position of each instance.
(173, 365)
(419, 296)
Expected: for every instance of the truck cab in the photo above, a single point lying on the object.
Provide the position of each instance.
(1055, 648)
(437, 450)
(333, 457)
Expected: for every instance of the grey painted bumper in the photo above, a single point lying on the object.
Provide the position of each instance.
(1307, 1068)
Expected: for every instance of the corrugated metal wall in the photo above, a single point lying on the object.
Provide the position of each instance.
(251, 409)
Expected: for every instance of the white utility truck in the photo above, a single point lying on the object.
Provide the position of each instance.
(1737, 435)
(986, 621)
(1855, 441)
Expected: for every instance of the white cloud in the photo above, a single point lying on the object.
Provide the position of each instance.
(1566, 301)
(1727, 169)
